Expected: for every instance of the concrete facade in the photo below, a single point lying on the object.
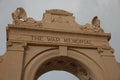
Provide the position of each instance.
(57, 42)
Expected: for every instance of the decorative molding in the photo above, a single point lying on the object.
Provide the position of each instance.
(20, 46)
(100, 50)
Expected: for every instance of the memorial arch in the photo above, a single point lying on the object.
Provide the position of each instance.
(57, 42)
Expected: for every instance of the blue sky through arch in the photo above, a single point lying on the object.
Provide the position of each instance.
(57, 75)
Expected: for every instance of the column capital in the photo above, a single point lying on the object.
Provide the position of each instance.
(16, 46)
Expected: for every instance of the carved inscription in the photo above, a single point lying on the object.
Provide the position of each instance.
(64, 40)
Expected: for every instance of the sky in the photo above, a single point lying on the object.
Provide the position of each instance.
(65, 76)
(108, 12)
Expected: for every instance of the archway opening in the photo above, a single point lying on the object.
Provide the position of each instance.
(61, 64)
(57, 75)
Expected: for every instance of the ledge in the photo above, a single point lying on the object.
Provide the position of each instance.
(11, 26)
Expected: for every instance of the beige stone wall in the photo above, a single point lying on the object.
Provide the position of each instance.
(57, 42)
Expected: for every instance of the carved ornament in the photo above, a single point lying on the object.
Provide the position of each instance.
(20, 18)
(94, 27)
(54, 17)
